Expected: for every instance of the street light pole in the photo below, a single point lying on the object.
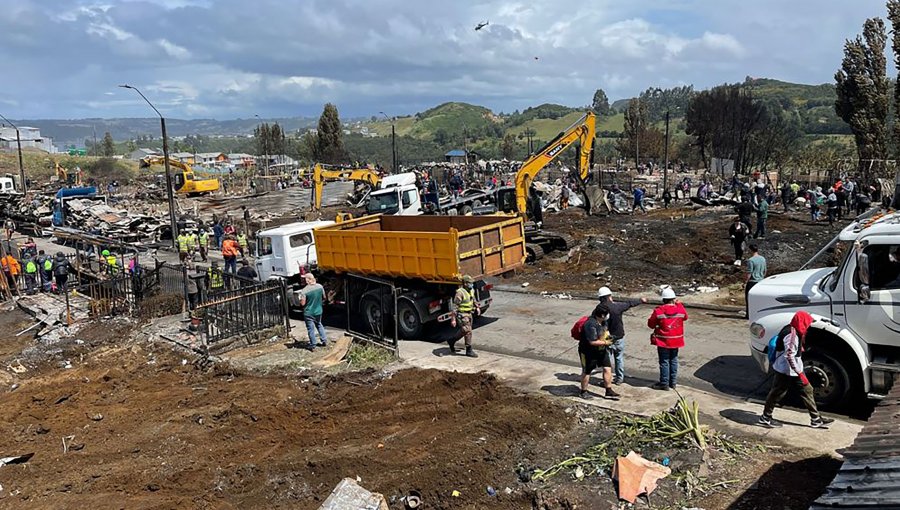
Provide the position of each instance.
(173, 225)
(393, 143)
(22, 183)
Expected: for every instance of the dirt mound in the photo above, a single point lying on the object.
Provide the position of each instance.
(147, 428)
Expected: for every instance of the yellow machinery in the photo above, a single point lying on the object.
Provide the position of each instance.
(66, 178)
(321, 175)
(183, 181)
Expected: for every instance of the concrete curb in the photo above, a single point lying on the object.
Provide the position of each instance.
(589, 296)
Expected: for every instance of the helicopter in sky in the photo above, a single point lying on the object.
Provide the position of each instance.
(482, 25)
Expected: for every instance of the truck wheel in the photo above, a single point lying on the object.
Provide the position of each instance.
(452, 212)
(371, 310)
(409, 324)
(465, 210)
(477, 203)
(829, 379)
(533, 253)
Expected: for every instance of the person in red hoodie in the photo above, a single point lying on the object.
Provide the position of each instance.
(667, 322)
(788, 369)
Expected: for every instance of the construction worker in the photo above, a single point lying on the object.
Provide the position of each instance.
(45, 269)
(11, 270)
(10, 227)
(61, 271)
(112, 264)
(193, 243)
(242, 244)
(464, 300)
(230, 251)
(182, 242)
(215, 278)
(31, 269)
(204, 244)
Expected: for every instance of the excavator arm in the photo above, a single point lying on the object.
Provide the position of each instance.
(157, 160)
(321, 175)
(584, 131)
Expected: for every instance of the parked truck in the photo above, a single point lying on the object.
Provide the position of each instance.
(853, 347)
(421, 258)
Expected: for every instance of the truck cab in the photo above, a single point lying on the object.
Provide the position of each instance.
(7, 186)
(283, 250)
(853, 347)
(398, 195)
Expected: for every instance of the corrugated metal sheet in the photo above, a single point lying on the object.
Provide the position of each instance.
(870, 475)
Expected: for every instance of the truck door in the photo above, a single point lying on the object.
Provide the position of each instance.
(872, 298)
(301, 251)
(270, 257)
(410, 202)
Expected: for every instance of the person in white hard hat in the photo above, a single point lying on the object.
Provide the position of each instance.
(617, 328)
(667, 323)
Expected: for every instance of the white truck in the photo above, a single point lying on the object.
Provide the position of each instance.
(853, 347)
(8, 186)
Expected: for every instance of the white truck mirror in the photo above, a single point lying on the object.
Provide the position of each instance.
(862, 276)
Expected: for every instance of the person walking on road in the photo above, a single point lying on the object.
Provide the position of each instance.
(464, 300)
(593, 351)
(762, 215)
(756, 272)
(738, 232)
(61, 272)
(203, 240)
(667, 323)
(10, 227)
(617, 328)
(311, 298)
(788, 368)
(230, 251)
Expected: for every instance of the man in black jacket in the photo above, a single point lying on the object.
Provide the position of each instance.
(617, 328)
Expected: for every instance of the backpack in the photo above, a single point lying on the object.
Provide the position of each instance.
(578, 328)
(776, 345)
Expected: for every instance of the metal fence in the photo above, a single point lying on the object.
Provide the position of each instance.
(371, 309)
(243, 310)
(115, 296)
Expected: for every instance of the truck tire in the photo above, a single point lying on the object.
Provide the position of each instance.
(452, 212)
(409, 324)
(477, 204)
(371, 310)
(829, 379)
(465, 210)
(533, 253)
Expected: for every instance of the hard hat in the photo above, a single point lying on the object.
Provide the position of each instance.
(105, 253)
(468, 279)
(667, 292)
(603, 292)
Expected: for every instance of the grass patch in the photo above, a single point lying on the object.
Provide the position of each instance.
(365, 355)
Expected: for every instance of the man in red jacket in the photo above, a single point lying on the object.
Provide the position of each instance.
(667, 322)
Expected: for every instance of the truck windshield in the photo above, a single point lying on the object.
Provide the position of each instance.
(384, 203)
(264, 246)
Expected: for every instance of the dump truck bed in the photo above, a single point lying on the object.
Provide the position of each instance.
(433, 248)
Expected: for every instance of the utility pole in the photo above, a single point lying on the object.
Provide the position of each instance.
(173, 225)
(393, 143)
(466, 144)
(22, 183)
(666, 168)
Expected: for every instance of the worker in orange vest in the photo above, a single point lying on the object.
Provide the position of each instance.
(11, 270)
(230, 251)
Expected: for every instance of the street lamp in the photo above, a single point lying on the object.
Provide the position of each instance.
(265, 137)
(170, 192)
(393, 143)
(21, 166)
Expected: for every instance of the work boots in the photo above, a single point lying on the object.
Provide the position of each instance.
(470, 352)
(452, 344)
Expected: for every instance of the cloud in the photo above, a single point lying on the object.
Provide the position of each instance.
(229, 58)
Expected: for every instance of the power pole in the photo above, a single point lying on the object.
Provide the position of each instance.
(666, 168)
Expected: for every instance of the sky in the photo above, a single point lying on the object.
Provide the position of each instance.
(226, 59)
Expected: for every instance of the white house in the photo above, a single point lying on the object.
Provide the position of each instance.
(30, 138)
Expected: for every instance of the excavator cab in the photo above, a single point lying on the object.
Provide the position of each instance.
(178, 181)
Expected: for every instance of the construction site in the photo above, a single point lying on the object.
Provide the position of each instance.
(682, 299)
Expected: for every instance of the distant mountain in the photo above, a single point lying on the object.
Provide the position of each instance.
(76, 131)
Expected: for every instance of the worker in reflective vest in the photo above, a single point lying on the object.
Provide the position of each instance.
(110, 261)
(193, 243)
(465, 307)
(242, 243)
(11, 270)
(182, 242)
(31, 269)
(215, 278)
(204, 244)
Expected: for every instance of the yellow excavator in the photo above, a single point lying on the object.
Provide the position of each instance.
(522, 200)
(183, 181)
(321, 175)
(66, 178)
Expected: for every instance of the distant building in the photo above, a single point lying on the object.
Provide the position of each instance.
(139, 154)
(455, 156)
(241, 160)
(30, 138)
(183, 157)
(211, 158)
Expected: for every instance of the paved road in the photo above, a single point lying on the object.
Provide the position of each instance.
(716, 357)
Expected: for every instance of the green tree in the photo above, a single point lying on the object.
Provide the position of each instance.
(862, 92)
(329, 141)
(641, 138)
(108, 148)
(508, 146)
(600, 104)
(893, 8)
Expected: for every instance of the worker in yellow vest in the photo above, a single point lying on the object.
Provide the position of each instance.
(204, 244)
(464, 300)
(31, 269)
(182, 241)
(215, 278)
(111, 262)
(243, 244)
(193, 243)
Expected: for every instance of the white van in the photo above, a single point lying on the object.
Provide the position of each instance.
(282, 251)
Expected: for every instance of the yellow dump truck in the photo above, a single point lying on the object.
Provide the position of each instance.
(402, 268)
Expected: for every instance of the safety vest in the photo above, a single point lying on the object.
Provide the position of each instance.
(30, 267)
(204, 240)
(467, 304)
(192, 240)
(48, 264)
(242, 241)
(216, 281)
(111, 261)
(182, 243)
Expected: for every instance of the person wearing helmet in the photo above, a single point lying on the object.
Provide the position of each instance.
(464, 301)
(667, 323)
(617, 328)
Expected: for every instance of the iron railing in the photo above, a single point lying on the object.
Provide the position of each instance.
(243, 310)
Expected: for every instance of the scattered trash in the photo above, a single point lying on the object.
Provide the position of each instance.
(637, 475)
(18, 459)
(14, 387)
(349, 494)
(491, 491)
(525, 284)
(507, 491)
(412, 500)
(707, 290)
(666, 461)
(18, 368)
(97, 417)
(455, 493)
(579, 473)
